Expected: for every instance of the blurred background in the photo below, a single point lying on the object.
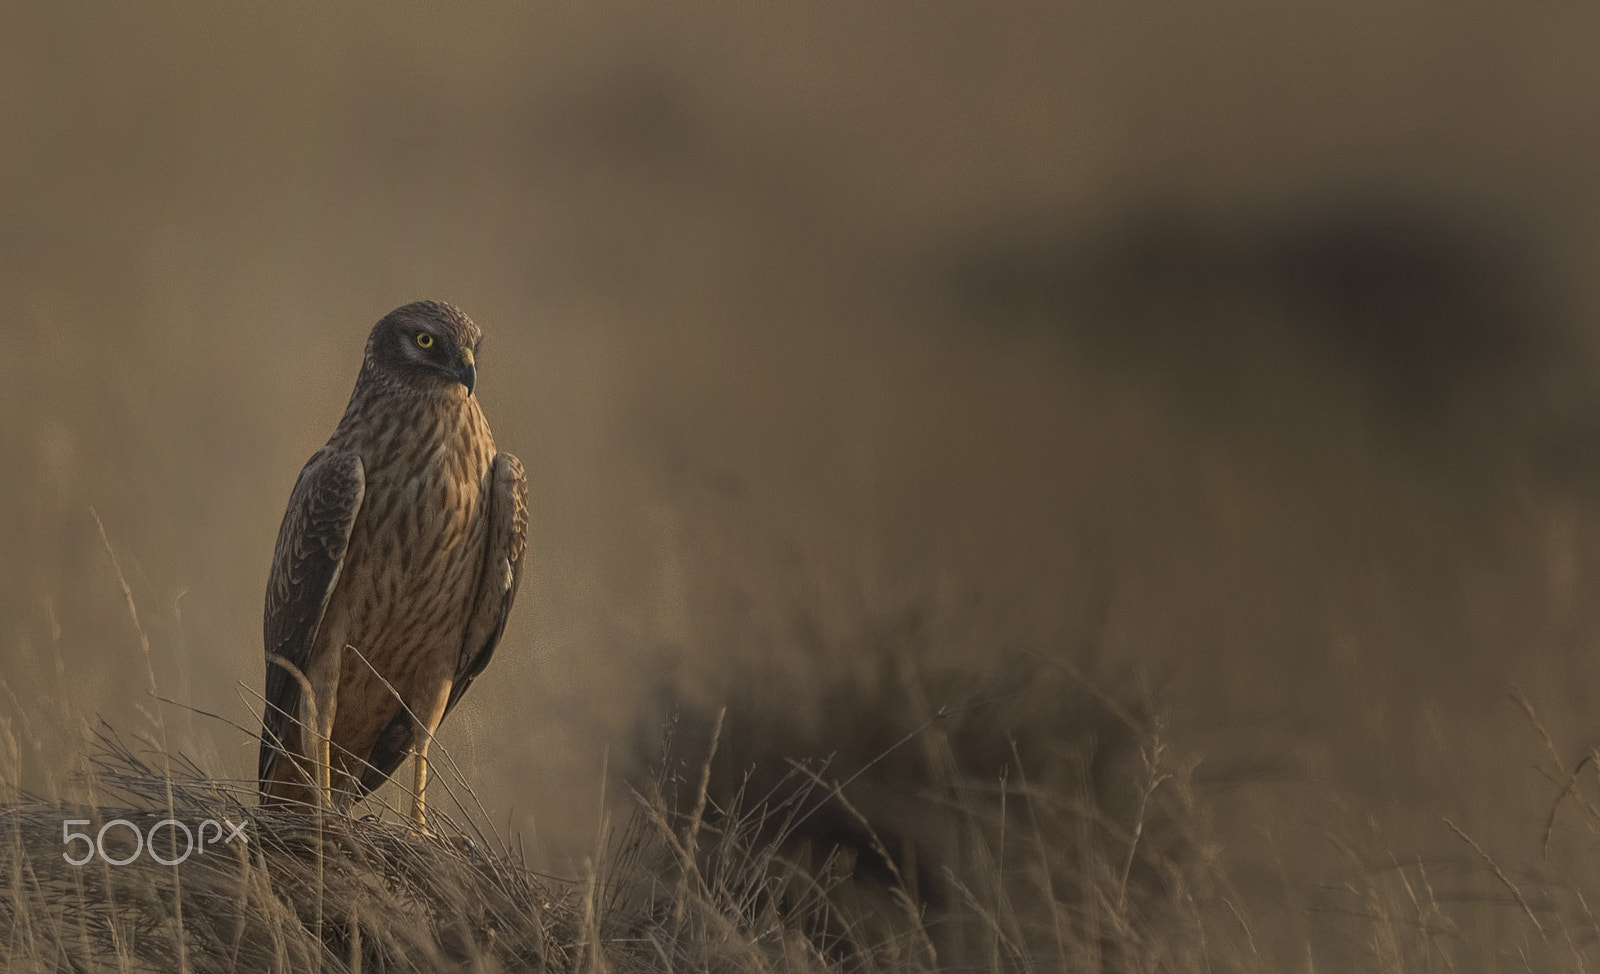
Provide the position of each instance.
(1248, 353)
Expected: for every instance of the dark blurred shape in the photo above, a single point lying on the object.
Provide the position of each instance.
(1430, 310)
(1430, 313)
(914, 780)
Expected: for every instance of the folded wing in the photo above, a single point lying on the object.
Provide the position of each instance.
(305, 568)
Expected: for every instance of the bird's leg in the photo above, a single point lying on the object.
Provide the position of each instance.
(325, 685)
(324, 770)
(419, 785)
(426, 720)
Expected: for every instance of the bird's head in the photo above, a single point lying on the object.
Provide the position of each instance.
(426, 346)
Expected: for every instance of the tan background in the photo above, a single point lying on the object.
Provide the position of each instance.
(1251, 349)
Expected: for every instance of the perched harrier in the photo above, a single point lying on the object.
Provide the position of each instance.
(395, 568)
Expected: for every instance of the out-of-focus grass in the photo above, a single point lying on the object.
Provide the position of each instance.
(784, 866)
(974, 842)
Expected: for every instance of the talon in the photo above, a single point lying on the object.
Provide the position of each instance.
(460, 844)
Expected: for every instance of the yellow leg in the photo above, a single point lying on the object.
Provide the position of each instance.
(419, 786)
(324, 679)
(324, 772)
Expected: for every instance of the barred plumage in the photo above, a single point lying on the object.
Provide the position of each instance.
(396, 566)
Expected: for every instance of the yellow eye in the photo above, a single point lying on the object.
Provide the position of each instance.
(424, 340)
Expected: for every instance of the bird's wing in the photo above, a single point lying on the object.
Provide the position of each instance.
(497, 589)
(502, 571)
(305, 567)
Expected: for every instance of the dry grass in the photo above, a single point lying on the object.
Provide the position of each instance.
(784, 868)
(1042, 821)
(299, 894)
(1023, 817)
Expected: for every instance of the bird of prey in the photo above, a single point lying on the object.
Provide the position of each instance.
(398, 560)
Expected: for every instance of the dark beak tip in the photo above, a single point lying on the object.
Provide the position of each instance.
(469, 377)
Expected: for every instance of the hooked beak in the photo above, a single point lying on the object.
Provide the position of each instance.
(468, 373)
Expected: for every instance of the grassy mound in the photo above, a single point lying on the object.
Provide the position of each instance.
(965, 842)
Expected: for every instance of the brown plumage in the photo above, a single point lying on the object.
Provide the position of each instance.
(396, 565)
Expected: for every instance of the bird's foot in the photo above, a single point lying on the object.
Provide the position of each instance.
(462, 844)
